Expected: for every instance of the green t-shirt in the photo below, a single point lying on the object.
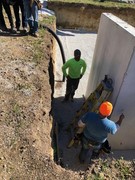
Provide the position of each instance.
(74, 68)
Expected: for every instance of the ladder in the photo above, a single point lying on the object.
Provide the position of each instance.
(101, 94)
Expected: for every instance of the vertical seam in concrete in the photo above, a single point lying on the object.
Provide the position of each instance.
(124, 76)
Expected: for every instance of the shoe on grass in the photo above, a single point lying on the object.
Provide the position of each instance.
(12, 30)
(36, 34)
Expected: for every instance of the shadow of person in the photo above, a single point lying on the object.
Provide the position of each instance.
(8, 32)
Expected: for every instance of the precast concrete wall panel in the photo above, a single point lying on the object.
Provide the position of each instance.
(125, 137)
(114, 56)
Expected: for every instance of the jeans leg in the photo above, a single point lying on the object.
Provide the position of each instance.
(97, 148)
(96, 152)
(84, 150)
(17, 16)
(35, 17)
(28, 13)
(23, 14)
(83, 154)
(2, 21)
(8, 12)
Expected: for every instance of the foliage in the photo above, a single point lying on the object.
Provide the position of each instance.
(110, 169)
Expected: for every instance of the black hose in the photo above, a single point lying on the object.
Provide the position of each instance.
(59, 42)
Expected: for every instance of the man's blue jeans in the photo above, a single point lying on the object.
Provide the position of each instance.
(86, 144)
(32, 15)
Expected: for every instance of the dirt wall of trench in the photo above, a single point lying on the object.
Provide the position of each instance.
(85, 16)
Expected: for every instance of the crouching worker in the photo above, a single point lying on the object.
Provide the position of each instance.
(96, 129)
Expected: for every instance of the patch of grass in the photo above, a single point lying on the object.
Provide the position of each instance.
(98, 3)
(38, 42)
(111, 169)
(23, 86)
(49, 20)
(125, 170)
(38, 51)
(16, 109)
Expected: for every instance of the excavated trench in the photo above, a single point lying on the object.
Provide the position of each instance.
(63, 114)
(83, 22)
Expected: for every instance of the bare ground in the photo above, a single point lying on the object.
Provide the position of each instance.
(25, 122)
(25, 102)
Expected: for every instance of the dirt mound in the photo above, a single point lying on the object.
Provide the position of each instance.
(25, 103)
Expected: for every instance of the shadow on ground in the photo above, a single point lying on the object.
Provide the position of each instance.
(63, 114)
(13, 34)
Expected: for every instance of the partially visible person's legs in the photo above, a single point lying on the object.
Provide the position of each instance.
(28, 14)
(101, 148)
(35, 19)
(32, 17)
(106, 148)
(25, 4)
(96, 152)
(17, 16)
(84, 150)
(2, 21)
(86, 144)
(74, 87)
(83, 154)
(69, 85)
(23, 14)
(8, 12)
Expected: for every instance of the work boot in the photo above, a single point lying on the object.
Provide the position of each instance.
(25, 30)
(31, 32)
(3, 28)
(12, 30)
(36, 34)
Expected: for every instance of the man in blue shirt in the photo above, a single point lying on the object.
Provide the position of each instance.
(96, 129)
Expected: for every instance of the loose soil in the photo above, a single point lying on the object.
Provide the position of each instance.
(25, 104)
(26, 87)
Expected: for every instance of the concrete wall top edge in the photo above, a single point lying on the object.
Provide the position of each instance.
(121, 23)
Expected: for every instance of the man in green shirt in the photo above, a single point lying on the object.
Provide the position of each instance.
(73, 70)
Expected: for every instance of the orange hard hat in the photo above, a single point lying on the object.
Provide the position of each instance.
(106, 108)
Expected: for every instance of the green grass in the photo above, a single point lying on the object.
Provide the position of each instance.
(37, 43)
(97, 3)
(48, 20)
(111, 169)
